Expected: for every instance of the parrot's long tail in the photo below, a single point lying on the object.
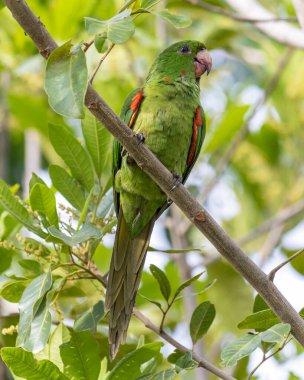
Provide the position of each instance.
(127, 263)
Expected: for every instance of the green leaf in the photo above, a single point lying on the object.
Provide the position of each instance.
(232, 121)
(43, 200)
(2, 5)
(66, 80)
(29, 304)
(32, 267)
(174, 356)
(80, 356)
(9, 226)
(73, 154)
(185, 362)
(40, 329)
(178, 21)
(90, 319)
(259, 304)
(103, 369)
(174, 251)
(239, 349)
(88, 231)
(100, 42)
(162, 280)
(186, 284)
(168, 374)
(51, 351)
(67, 186)
(22, 363)
(276, 333)
(6, 257)
(201, 320)
(262, 320)
(15, 208)
(98, 141)
(85, 209)
(292, 376)
(36, 179)
(12, 291)
(158, 304)
(145, 4)
(118, 28)
(206, 287)
(131, 365)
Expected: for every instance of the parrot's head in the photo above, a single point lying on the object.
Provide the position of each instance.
(188, 60)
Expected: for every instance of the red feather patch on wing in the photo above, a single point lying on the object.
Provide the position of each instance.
(136, 101)
(196, 123)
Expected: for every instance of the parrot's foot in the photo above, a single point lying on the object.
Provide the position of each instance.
(140, 138)
(177, 182)
(130, 160)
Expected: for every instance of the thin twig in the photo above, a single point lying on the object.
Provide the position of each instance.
(268, 357)
(201, 362)
(282, 32)
(273, 272)
(220, 11)
(281, 218)
(100, 62)
(87, 45)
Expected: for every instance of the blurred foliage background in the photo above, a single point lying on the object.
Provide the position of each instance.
(250, 173)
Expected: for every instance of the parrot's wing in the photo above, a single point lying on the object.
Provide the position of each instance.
(198, 135)
(128, 114)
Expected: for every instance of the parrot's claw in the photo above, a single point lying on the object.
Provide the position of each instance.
(140, 138)
(178, 180)
(123, 152)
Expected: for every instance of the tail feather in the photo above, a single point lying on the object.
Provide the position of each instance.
(124, 277)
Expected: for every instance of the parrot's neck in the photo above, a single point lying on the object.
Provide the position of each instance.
(169, 88)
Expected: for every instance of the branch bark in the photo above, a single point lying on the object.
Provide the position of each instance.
(149, 163)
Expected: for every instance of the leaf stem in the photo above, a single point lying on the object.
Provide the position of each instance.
(100, 62)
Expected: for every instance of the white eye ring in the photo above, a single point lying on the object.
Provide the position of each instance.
(184, 50)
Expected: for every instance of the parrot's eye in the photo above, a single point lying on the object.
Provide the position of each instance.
(185, 50)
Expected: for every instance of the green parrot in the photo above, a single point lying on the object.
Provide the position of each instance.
(166, 114)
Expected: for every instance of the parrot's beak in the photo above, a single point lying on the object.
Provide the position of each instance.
(202, 62)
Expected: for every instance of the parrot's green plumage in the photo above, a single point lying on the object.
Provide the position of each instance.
(167, 111)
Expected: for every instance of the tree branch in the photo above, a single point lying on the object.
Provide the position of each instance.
(150, 165)
(299, 8)
(282, 217)
(276, 269)
(202, 362)
(223, 12)
(280, 31)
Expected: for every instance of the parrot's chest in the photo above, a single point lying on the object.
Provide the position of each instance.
(167, 125)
